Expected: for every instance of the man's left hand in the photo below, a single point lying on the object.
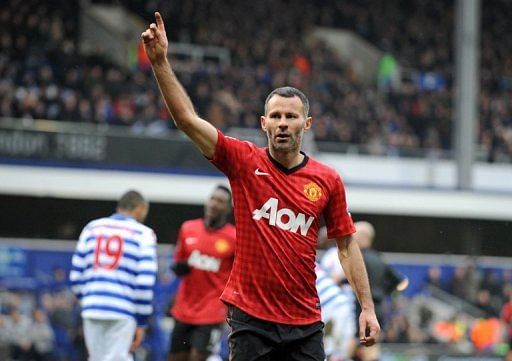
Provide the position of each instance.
(369, 328)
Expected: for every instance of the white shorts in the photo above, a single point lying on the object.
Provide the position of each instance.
(109, 340)
(340, 329)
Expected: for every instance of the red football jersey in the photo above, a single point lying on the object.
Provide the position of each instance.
(277, 214)
(506, 316)
(210, 255)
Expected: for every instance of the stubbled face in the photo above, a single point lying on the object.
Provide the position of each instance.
(217, 207)
(285, 123)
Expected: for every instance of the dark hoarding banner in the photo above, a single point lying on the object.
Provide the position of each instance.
(77, 145)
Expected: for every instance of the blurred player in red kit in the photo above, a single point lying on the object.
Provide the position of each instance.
(203, 258)
(280, 195)
(506, 318)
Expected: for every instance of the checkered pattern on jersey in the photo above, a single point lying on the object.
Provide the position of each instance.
(277, 214)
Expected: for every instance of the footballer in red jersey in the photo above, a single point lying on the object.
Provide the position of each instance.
(273, 276)
(279, 194)
(203, 259)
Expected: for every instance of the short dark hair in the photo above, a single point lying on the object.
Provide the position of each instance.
(289, 92)
(131, 200)
(226, 189)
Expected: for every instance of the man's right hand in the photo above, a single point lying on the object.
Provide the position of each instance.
(137, 338)
(203, 134)
(181, 268)
(155, 40)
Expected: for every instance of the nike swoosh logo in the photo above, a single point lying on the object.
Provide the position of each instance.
(259, 172)
(191, 240)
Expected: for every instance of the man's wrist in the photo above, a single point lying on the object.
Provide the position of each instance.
(368, 306)
(160, 63)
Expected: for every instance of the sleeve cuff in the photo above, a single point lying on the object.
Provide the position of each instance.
(142, 321)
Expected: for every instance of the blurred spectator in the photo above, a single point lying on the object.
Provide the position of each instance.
(483, 302)
(451, 331)
(485, 334)
(457, 286)
(491, 282)
(59, 281)
(434, 277)
(19, 327)
(465, 281)
(398, 329)
(404, 326)
(42, 337)
(388, 73)
(59, 306)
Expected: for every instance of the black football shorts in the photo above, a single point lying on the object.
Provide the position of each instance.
(203, 338)
(252, 339)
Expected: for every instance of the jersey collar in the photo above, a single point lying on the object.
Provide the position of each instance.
(214, 228)
(288, 170)
(121, 217)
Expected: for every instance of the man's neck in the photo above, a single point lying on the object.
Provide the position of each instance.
(287, 159)
(125, 213)
(215, 223)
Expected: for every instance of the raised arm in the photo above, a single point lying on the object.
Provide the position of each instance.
(202, 133)
(353, 264)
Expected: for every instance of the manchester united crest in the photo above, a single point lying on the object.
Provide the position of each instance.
(312, 191)
(221, 245)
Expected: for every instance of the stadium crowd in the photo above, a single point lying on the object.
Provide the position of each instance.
(480, 297)
(42, 74)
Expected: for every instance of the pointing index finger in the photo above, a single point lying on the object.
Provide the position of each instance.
(159, 21)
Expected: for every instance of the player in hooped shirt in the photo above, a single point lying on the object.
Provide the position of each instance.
(113, 274)
(203, 259)
(280, 195)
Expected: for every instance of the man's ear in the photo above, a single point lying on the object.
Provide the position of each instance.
(263, 123)
(309, 123)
